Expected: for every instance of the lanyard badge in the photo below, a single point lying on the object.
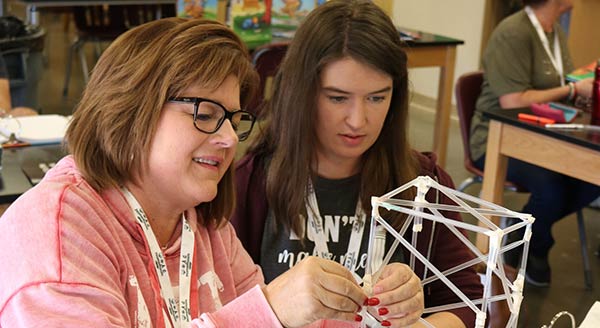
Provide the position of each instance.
(178, 311)
(315, 224)
(556, 58)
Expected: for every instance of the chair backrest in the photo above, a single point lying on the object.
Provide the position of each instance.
(139, 14)
(106, 22)
(99, 22)
(266, 60)
(468, 88)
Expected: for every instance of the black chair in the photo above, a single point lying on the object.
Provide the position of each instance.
(468, 88)
(104, 24)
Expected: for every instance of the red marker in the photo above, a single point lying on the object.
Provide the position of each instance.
(535, 119)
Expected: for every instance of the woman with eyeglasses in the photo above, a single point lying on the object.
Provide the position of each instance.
(129, 230)
(335, 135)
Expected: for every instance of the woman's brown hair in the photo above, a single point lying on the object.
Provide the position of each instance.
(335, 30)
(114, 123)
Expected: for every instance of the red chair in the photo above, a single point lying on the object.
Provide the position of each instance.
(468, 88)
(266, 60)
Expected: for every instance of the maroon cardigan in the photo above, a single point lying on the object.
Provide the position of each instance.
(447, 251)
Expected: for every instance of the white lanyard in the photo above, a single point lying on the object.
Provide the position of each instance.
(179, 313)
(315, 223)
(557, 58)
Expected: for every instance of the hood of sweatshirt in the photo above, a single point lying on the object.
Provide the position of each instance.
(66, 171)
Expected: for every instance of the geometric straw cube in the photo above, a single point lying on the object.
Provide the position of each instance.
(420, 211)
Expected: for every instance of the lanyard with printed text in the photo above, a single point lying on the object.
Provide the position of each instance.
(179, 312)
(557, 58)
(315, 224)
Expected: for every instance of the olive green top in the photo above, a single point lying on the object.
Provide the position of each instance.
(514, 61)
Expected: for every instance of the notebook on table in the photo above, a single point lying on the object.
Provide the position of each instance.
(581, 73)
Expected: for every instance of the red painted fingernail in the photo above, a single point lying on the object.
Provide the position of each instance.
(366, 302)
(373, 301)
(386, 323)
(383, 311)
(358, 318)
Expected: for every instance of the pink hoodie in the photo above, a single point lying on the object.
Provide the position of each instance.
(74, 258)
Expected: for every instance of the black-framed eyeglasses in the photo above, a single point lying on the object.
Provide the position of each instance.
(209, 115)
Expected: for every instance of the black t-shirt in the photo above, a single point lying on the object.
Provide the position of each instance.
(337, 204)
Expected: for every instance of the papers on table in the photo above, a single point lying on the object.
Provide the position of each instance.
(592, 319)
(35, 130)
(585, 72)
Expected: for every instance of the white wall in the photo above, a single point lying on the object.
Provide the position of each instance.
(459, 19)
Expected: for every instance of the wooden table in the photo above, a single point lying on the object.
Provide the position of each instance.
(573, 153)
(432, 50)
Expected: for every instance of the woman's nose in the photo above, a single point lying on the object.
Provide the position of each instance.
(226, 135)
(357, 117)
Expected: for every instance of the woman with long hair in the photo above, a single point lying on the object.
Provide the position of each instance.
(335, 134)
